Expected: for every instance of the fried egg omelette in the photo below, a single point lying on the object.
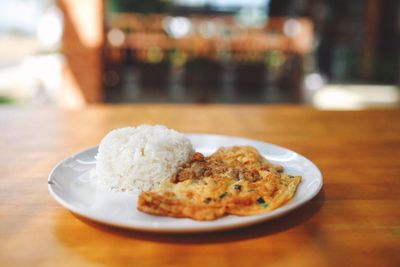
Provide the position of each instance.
(234, 180)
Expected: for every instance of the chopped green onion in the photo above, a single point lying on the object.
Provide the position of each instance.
(291, 176)
(260, 200)
(264, 205)
(223, 195)
(238, 187)
(207, 200)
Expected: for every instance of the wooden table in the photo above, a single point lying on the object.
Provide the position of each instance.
(353, 221)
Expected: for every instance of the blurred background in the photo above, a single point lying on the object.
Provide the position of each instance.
(340, 54)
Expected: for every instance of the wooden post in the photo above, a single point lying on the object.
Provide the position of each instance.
(373, 10)
(82, 47)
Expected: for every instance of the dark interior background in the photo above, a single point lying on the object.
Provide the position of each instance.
(354, 42)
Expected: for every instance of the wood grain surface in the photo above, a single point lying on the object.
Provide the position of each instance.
(353, 221)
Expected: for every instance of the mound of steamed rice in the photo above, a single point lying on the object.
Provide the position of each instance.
(139, 158)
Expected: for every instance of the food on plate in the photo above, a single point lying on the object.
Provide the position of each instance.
(139, 158)
(173, 180)
(234, 180)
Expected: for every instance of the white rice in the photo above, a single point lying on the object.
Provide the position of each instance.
(139, 158)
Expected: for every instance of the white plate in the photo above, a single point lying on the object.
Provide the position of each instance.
(71, 184)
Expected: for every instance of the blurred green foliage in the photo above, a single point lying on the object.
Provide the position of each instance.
(139, 6)
(6, 100)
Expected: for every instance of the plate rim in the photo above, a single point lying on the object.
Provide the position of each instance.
(246, 220)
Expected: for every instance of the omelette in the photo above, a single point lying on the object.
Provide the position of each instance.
(234, 180)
